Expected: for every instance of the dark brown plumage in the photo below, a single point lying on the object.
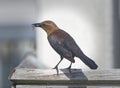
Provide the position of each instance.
(64, 44)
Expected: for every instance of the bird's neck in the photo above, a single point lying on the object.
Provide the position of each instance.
(51, 31)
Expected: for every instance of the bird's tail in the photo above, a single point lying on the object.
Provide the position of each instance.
(89, 62)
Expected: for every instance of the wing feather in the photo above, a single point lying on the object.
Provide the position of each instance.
(58, 46)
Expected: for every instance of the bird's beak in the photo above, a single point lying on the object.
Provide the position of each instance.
(37, 25)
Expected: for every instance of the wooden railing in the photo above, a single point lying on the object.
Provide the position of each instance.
(47, 78)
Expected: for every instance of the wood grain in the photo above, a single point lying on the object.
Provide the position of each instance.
(78, 77)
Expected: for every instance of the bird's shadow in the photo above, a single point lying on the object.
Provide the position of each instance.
(75, 75)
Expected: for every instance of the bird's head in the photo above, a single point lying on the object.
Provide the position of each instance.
(48, 26)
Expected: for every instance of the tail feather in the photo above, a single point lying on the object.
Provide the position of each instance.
(89, 62)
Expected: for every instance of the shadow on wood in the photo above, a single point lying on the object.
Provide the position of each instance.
(76, 74)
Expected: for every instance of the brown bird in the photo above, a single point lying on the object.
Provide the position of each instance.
(64, 44)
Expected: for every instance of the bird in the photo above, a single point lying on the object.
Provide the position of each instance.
(64, 44)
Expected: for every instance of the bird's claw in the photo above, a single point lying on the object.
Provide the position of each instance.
(56, 69)
(69, 68)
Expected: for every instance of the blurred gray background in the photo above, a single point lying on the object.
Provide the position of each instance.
(17, 37)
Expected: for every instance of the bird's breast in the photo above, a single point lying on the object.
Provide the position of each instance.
(56, 36)
(53, 39)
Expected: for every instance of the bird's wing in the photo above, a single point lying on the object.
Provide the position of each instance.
(58, 46)
(71, 45)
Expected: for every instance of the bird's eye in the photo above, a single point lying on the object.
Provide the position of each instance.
(44, 24)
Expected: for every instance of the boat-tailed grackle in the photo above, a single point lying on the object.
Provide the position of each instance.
(64, 44)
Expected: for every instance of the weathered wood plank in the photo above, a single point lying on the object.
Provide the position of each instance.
(53, 86)
(77, 77)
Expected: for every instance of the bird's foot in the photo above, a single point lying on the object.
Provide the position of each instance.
(70, 70)
(56, 67)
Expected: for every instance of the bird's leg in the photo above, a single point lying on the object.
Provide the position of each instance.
(56, 67)
(61, 58)
(69, 68)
